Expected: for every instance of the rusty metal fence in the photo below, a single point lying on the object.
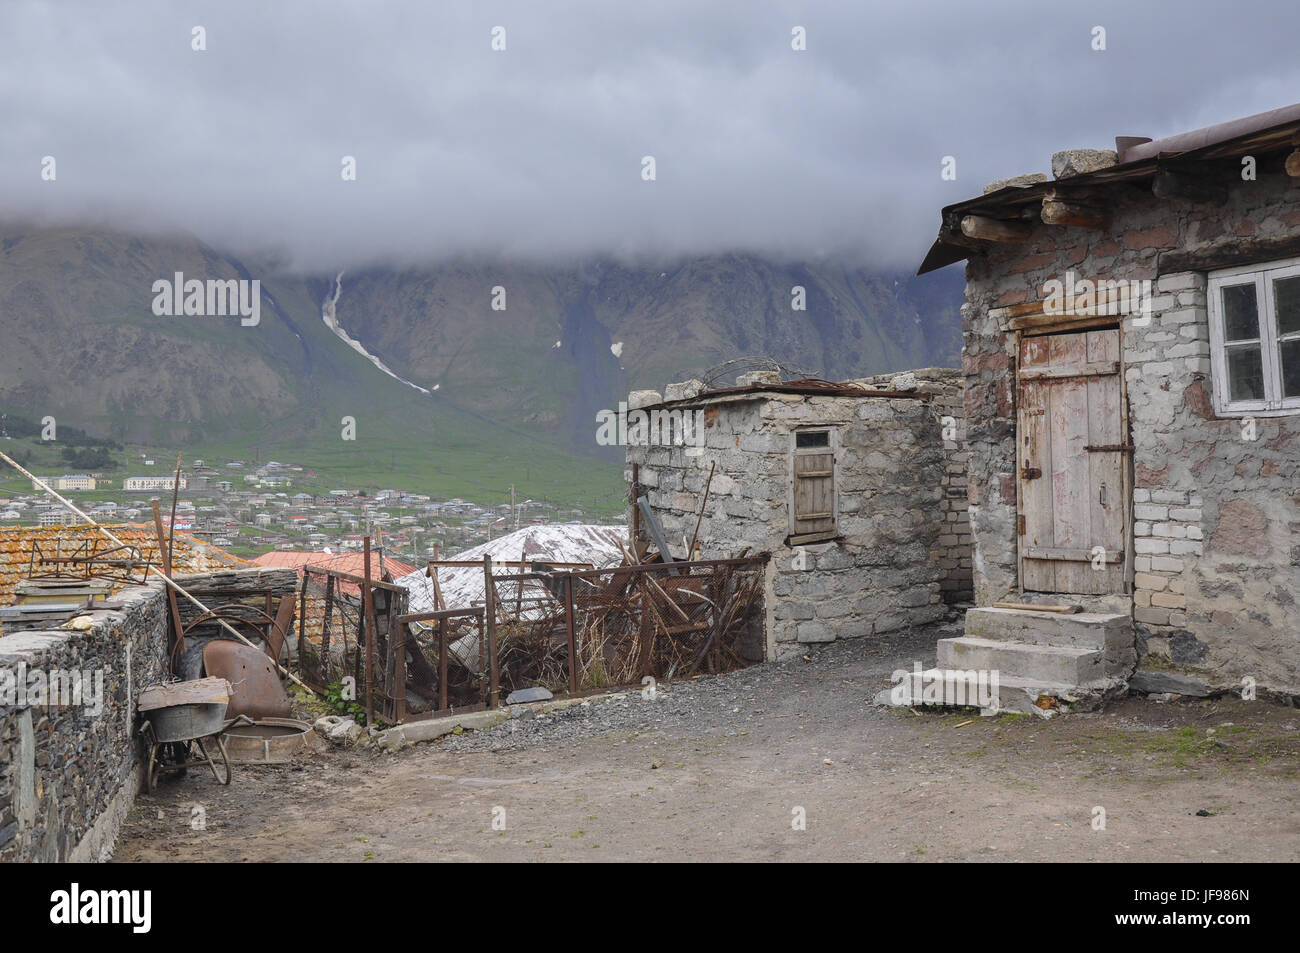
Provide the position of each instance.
(336, 611)
(593, 629)
(568, 631)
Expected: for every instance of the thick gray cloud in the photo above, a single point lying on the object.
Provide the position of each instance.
(537, 150)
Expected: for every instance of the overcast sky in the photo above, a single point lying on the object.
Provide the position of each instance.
(537, 150)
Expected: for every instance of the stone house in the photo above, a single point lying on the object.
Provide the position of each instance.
(1132, 400)
(857, 490)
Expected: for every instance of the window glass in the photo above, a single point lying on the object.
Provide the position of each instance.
(1286, 299)
(1291, 368)
(1245, 373)
(804, 439)
(1240, 313)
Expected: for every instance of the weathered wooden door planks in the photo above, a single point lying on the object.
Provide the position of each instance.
(1071, 484)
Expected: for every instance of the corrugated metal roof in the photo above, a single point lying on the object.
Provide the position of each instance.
(463, 587)
(1139, 160)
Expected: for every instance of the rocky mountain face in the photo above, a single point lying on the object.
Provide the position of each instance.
(568, 340)
(498, 353)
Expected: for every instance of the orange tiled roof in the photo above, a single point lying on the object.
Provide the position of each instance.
(17, 544)
(351, 563)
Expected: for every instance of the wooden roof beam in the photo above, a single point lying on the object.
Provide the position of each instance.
(1202, 189)
(1065, 209)
(994, 229)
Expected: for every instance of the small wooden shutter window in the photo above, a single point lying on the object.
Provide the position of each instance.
(812, 487)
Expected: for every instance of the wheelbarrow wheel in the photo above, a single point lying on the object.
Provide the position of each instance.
(225, 760)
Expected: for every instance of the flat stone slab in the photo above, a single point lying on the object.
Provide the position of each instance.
(524, 695)
(1158, 683)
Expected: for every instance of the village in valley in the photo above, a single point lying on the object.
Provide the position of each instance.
(709, 520)
(250, 508)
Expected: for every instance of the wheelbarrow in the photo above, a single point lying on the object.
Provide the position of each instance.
(180, 717)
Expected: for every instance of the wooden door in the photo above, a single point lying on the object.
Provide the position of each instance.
(813, 501)
(1073, 485)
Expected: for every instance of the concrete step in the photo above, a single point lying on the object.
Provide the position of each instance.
(1062, 664)
(1109, 633)
(1086, 630)
(944, 687)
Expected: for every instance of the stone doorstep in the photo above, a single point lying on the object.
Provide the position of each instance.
(1020, 695)
(1050, 663)
(1092, 630)
(399, 736)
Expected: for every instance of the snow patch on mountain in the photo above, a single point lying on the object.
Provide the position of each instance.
(329, 312)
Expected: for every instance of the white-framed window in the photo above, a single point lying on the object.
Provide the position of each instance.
(1255, 339)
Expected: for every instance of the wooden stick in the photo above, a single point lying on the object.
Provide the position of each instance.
(173, 607)
(1030, 608)
(368, 606)
(171, 527)
(690, 550)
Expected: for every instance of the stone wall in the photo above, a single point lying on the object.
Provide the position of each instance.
(68, 775)
(1217, 567)
(884, 573)
(952, 548)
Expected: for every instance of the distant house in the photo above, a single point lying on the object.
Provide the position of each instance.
(225, 486)
(136, 484)
(57, 516)
(75, 481)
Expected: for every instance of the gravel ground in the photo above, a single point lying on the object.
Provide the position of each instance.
(736, 701)
(724, 768)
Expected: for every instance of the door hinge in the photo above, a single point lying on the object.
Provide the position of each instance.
(1030, 473)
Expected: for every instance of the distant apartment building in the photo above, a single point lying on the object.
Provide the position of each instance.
(69, 481)
(57, 516)
(148, 483)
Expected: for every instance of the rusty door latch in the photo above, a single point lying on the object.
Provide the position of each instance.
(1030, 473)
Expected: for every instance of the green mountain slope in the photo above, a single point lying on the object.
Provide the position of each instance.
(548, 360)
(78, 342)
(514, 392)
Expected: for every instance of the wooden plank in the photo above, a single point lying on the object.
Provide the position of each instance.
(814, 493)
(1068, 416)
(1027, 607)
(1056, 322)
(279, 633)
(178, 631)
(1228, 254)
(1065, 554)
(1108, 506)
(1090, 369)
(1034, 496)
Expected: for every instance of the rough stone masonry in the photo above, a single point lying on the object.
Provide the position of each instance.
(902, 547)
(1215, 516)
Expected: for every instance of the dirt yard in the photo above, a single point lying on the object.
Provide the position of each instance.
(722, 768)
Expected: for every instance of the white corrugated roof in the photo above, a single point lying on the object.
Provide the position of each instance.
(463, 587)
